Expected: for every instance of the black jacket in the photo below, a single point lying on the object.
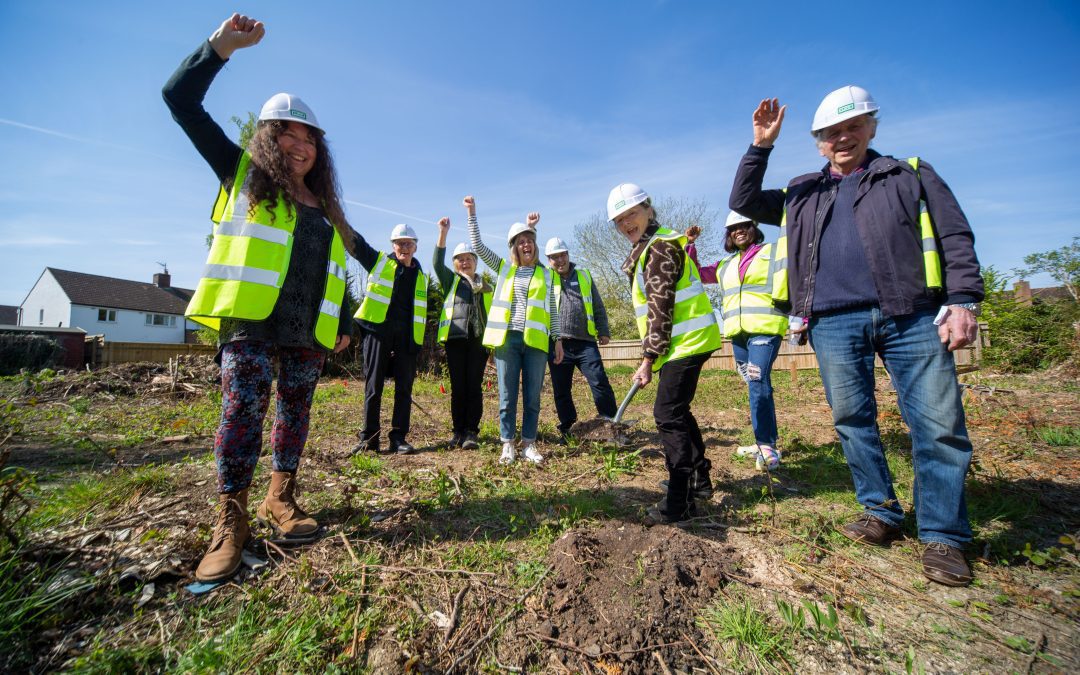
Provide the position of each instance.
(887, 218)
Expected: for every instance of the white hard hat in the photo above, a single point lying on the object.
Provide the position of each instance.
(842, 104)
(734, 218)
(555, 245)
(288, 108)
(462, 249)
(624, 197)
(402, 231)
(515, 230)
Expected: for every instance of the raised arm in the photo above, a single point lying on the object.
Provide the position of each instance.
(490, 258)
(438, 259)
(186, 89)
(747, 197)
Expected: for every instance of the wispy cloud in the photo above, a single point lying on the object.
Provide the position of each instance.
(41, 241)
(85, 140)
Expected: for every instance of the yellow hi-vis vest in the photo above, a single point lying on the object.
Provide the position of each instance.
(747, 305)
(380, 286)
(537, 316)
(693, 329)
(931, 256)
(585, 284)
(448, 309)
(249, 258)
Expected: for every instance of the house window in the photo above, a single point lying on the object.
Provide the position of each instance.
(41, 317)
(160, 320)
(106, 315)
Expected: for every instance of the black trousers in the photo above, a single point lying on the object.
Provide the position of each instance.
(384, 357)
(466, 360)
(684, 448)
(585, 356)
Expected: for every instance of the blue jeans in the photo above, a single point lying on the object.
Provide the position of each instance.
(924, 375)
(517, 362)
(585, 356)
(754, 358)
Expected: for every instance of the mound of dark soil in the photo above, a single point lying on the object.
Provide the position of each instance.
(617, 594)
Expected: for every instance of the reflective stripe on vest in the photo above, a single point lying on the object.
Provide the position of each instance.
(380, 288)
(448, 309)
(537, 316)
(931, 256)
(585, 285)
(747, 305)
(248, 260)
(694, 329)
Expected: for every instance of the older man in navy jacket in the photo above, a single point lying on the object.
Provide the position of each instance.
(881, 261)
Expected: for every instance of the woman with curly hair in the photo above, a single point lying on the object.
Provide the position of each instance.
(273, 286)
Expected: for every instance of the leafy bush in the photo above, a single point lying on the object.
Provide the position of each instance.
(21, 350)
(1025, 338)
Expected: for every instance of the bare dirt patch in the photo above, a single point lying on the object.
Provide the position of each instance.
(624, 594)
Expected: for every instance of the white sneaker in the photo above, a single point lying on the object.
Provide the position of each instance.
(746, 450)
(531, 454)
(509, 453)
(769, 457)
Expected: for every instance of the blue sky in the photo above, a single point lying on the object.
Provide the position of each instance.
(529, 106)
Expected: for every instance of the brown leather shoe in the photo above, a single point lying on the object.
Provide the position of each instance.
(231, 533)
(945, 564)
(281, 512)
(869, 530)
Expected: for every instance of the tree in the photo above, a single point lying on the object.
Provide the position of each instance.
(1063, 265)
(601, 249)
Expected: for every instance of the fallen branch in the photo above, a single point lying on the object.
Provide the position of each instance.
(455, 613)
(514, 610)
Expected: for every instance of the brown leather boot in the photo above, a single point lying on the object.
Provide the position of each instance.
(869, 530)
(280, 511)
(222, 559)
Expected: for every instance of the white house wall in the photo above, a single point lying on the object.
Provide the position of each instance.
(130, 326)
(46, 295)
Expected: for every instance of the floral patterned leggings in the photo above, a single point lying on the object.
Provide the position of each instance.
(247, 369)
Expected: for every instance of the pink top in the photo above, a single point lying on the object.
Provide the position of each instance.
(708, 273)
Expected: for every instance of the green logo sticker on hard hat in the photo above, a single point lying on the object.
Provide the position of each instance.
(620, 204)
(845, 108)
(298, 113)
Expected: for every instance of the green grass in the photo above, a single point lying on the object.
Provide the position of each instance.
(92, 496)
(1059, 436)
(745, 634)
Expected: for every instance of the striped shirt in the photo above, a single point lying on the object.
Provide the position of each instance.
(522, 278)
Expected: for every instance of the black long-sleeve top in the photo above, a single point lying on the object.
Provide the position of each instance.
(292, 321)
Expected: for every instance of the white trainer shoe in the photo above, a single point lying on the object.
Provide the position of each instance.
(769, 458)
(531, 454)
(509, 453)
(746, 450)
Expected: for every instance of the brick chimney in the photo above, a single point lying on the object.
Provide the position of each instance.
(162, 279)
(1022, 293)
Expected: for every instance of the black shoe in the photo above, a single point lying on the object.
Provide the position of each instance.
(703, 490)
(658, 515)
(403, 448)
(470, 442)
(366, 446)
(456, 440)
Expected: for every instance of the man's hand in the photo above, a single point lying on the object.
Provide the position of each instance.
(470, 205)
(959, 328)
(643, 375)
(532, 219)
(342, 343)
(604, 339)
(236, 32)
(558, 352)
(768, 118)
(692, 233)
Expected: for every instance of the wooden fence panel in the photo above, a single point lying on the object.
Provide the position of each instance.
(104, 353)
(628, 353)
